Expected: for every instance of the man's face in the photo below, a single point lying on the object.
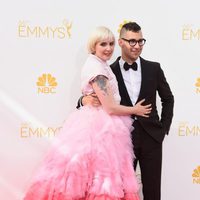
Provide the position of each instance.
(130, 53)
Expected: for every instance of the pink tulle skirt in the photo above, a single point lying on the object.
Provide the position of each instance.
(90, 159)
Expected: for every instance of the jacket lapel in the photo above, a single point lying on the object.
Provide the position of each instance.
(144, 78)
(125, 99)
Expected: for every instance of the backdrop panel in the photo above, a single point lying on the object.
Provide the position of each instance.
(43, 48)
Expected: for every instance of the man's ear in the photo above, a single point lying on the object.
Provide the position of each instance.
(120, 42)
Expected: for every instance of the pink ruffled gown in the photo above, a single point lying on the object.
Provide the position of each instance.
(92, 156)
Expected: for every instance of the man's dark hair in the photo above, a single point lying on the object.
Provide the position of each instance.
(130, 26)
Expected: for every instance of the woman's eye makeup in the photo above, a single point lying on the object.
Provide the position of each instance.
(103, 44)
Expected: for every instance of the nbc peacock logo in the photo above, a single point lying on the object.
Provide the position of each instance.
(46, 84)
(196, 175)
(197, 84)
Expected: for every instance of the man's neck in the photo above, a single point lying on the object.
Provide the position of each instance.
(128, 60)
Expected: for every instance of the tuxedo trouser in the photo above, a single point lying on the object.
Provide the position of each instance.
(148, 153)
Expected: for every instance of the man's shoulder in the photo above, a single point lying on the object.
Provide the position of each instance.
(115, 63)
(149, 62)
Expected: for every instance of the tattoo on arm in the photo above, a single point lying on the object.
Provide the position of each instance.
(101, 82)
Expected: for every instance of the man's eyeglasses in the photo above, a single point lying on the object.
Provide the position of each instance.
(133, 42)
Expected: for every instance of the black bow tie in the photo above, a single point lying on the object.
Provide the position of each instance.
(133, 66)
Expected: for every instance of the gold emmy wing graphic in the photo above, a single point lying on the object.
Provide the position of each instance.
(120, 26)
(197, 84)
(196, 172)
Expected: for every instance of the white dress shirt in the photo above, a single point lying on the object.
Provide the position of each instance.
(132, 80)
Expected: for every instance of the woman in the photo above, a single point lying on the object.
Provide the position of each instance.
(91, 159)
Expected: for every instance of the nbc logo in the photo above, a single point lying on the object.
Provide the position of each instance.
(46, 84)
(196, 175)
(197, 84)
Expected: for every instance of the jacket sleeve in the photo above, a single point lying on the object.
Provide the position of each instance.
(167, 101)
(79, 103)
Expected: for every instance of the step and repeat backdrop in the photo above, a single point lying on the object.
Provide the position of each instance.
(42, 51)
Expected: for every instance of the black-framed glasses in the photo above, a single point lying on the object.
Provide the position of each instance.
(133, 42)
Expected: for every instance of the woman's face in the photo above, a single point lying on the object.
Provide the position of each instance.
(104, 49)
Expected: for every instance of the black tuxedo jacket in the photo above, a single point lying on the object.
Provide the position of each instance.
(153, 82)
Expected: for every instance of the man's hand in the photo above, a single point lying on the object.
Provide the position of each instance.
(91, 99)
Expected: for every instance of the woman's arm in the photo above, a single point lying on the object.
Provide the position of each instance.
(103, 91)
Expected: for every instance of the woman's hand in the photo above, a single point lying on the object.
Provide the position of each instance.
(142, 110)
(91, 99)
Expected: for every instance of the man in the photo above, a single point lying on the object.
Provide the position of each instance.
(141, 79)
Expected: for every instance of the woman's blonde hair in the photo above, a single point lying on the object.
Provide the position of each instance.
(99, 34)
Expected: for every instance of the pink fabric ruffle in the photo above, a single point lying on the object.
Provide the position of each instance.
(91, 159)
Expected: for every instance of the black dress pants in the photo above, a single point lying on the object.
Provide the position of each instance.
(148, 153)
